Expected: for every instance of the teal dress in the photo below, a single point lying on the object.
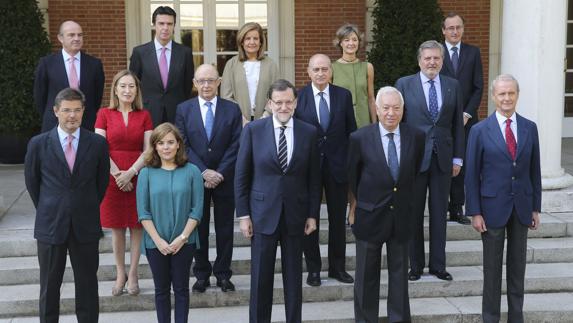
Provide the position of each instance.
(169, 198)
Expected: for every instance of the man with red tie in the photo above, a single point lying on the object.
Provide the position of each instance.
(503, 187)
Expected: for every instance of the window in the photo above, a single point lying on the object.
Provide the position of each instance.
(569, 68)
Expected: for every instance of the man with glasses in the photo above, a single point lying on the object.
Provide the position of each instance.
(163, 91)
(211, 128)
(329, 108)
(462, 61)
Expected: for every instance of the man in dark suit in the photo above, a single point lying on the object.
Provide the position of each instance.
(462, 62)
(277, 193)
(329, 108)
(211, 128)
(68, 68)
(67, 172)
(433, 104)
(164, 67)
(503, 186)
(384, 159)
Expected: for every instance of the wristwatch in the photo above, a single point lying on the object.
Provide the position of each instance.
(183, 237)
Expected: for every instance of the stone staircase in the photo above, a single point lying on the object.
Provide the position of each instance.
(549, 280)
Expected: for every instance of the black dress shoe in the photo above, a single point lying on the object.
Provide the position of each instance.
(201, 285)
(226, 285)
(441, 274)
(414, 275)
(313, 279)
(341, 276)
(464, 220)
(457, 215)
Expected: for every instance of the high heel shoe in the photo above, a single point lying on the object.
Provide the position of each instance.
(133, 291)
(118, 291)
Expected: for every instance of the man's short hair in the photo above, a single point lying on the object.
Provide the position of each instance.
(388, 90)
(69, 94)
(164, 10)
(504, 77)
(452, 14)
(280, 85)
(430, 44)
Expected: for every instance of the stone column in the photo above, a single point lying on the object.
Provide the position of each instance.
(533, 50)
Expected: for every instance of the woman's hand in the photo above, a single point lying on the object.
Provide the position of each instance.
(124, 178)
(177, 244)
(163, 247)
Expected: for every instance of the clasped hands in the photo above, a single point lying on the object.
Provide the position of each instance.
(212, 178)
(123, 179)
(246, 226)
(169, 248)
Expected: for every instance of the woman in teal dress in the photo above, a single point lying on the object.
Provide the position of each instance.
(170, 207)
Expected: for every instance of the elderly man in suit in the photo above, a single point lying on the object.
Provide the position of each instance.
(68, 68)
(277, 193)
(67, 172)
(329, 108)
(164, 67)
(503, 186)
(433, 104)
(211, 128)
(384, 159)
(462, 62)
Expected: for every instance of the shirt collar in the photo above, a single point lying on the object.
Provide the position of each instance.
(315, 90)
(384, 132)
(67, 56)
(501, 118)
(202, 101)
(277, 124)
(62, 134)
(425, 79)
(449, 46)
(158, 45)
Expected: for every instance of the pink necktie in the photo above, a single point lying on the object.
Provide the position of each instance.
(70, 153)
(73, 77)
(163, 67)
(510, 139)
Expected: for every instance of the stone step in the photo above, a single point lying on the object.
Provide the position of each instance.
(17, 243)
(22, 300)
(24, 270)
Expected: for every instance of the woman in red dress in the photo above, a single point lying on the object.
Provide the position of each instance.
(127, 128)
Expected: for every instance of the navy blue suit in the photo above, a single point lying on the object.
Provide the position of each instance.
(67, 217)
(505, 192)
(219, 154)
(278, 205)
(333, 148)
(51, 77)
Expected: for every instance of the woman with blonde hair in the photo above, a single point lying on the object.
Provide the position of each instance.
(248, 76)
(126, 127)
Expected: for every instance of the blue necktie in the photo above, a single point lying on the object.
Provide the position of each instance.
(209, 117)
(455, 59)
(433, 99)
(392, 157)
(323, 112)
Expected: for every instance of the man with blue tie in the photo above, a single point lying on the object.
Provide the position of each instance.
(329, 108)
(503, 189)
(68, 68)
(433, 104)
(211, 128)
(277, 193)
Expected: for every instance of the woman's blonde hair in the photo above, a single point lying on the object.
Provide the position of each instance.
(114, 100)
(250, 26)
(151, 157)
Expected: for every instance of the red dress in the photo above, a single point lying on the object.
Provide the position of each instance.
(118, 209)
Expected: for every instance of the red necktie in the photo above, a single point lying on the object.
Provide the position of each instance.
(510, 139)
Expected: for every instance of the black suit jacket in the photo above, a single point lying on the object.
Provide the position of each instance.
(219, 153)
(67, 201)
(264, 192)
(51, 77)
(469, 76)
(446, 135)
(162, 103)
(332, 144)
(373, 186)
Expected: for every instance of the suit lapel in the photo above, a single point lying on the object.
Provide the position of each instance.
(269, 135)
(405, 144)
(83, 148)
(310, 107)
(219, 115)
(420, 97)
(197, 119)
(83, 72)
(376, 139)
(56, 147)
(463, 54)
(152, 59)
(522, 135)
(333, 104)
(494, 132)
(61, 66)
(296, 144)
(176, 56)
(447, 61)
(446, 95)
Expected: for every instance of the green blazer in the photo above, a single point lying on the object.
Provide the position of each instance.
(234, 85)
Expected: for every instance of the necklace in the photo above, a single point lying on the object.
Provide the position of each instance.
(349, 61)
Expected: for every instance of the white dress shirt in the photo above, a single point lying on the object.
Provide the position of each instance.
(501, 120)
(450, 51)
(158, 48)
(63, 136)
(204, 107)
(252, 71)
(326, 96)
(386, 140)
(288, 135)
(77, 62)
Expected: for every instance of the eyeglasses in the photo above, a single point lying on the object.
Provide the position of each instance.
(288, 104)
(206, 81)
(451, 29)
(70, 111)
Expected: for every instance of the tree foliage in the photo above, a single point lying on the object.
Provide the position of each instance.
(22, 43)
(400, 26)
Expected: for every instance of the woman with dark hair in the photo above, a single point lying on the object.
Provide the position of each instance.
(170, 207)
(126, 127)
(247, 76)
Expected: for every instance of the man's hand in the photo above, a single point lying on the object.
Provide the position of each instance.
(212, 178)
(351, 213)
(535, 221)
(478, 223)
(246, 226)
(309, 226)
(456, 170)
